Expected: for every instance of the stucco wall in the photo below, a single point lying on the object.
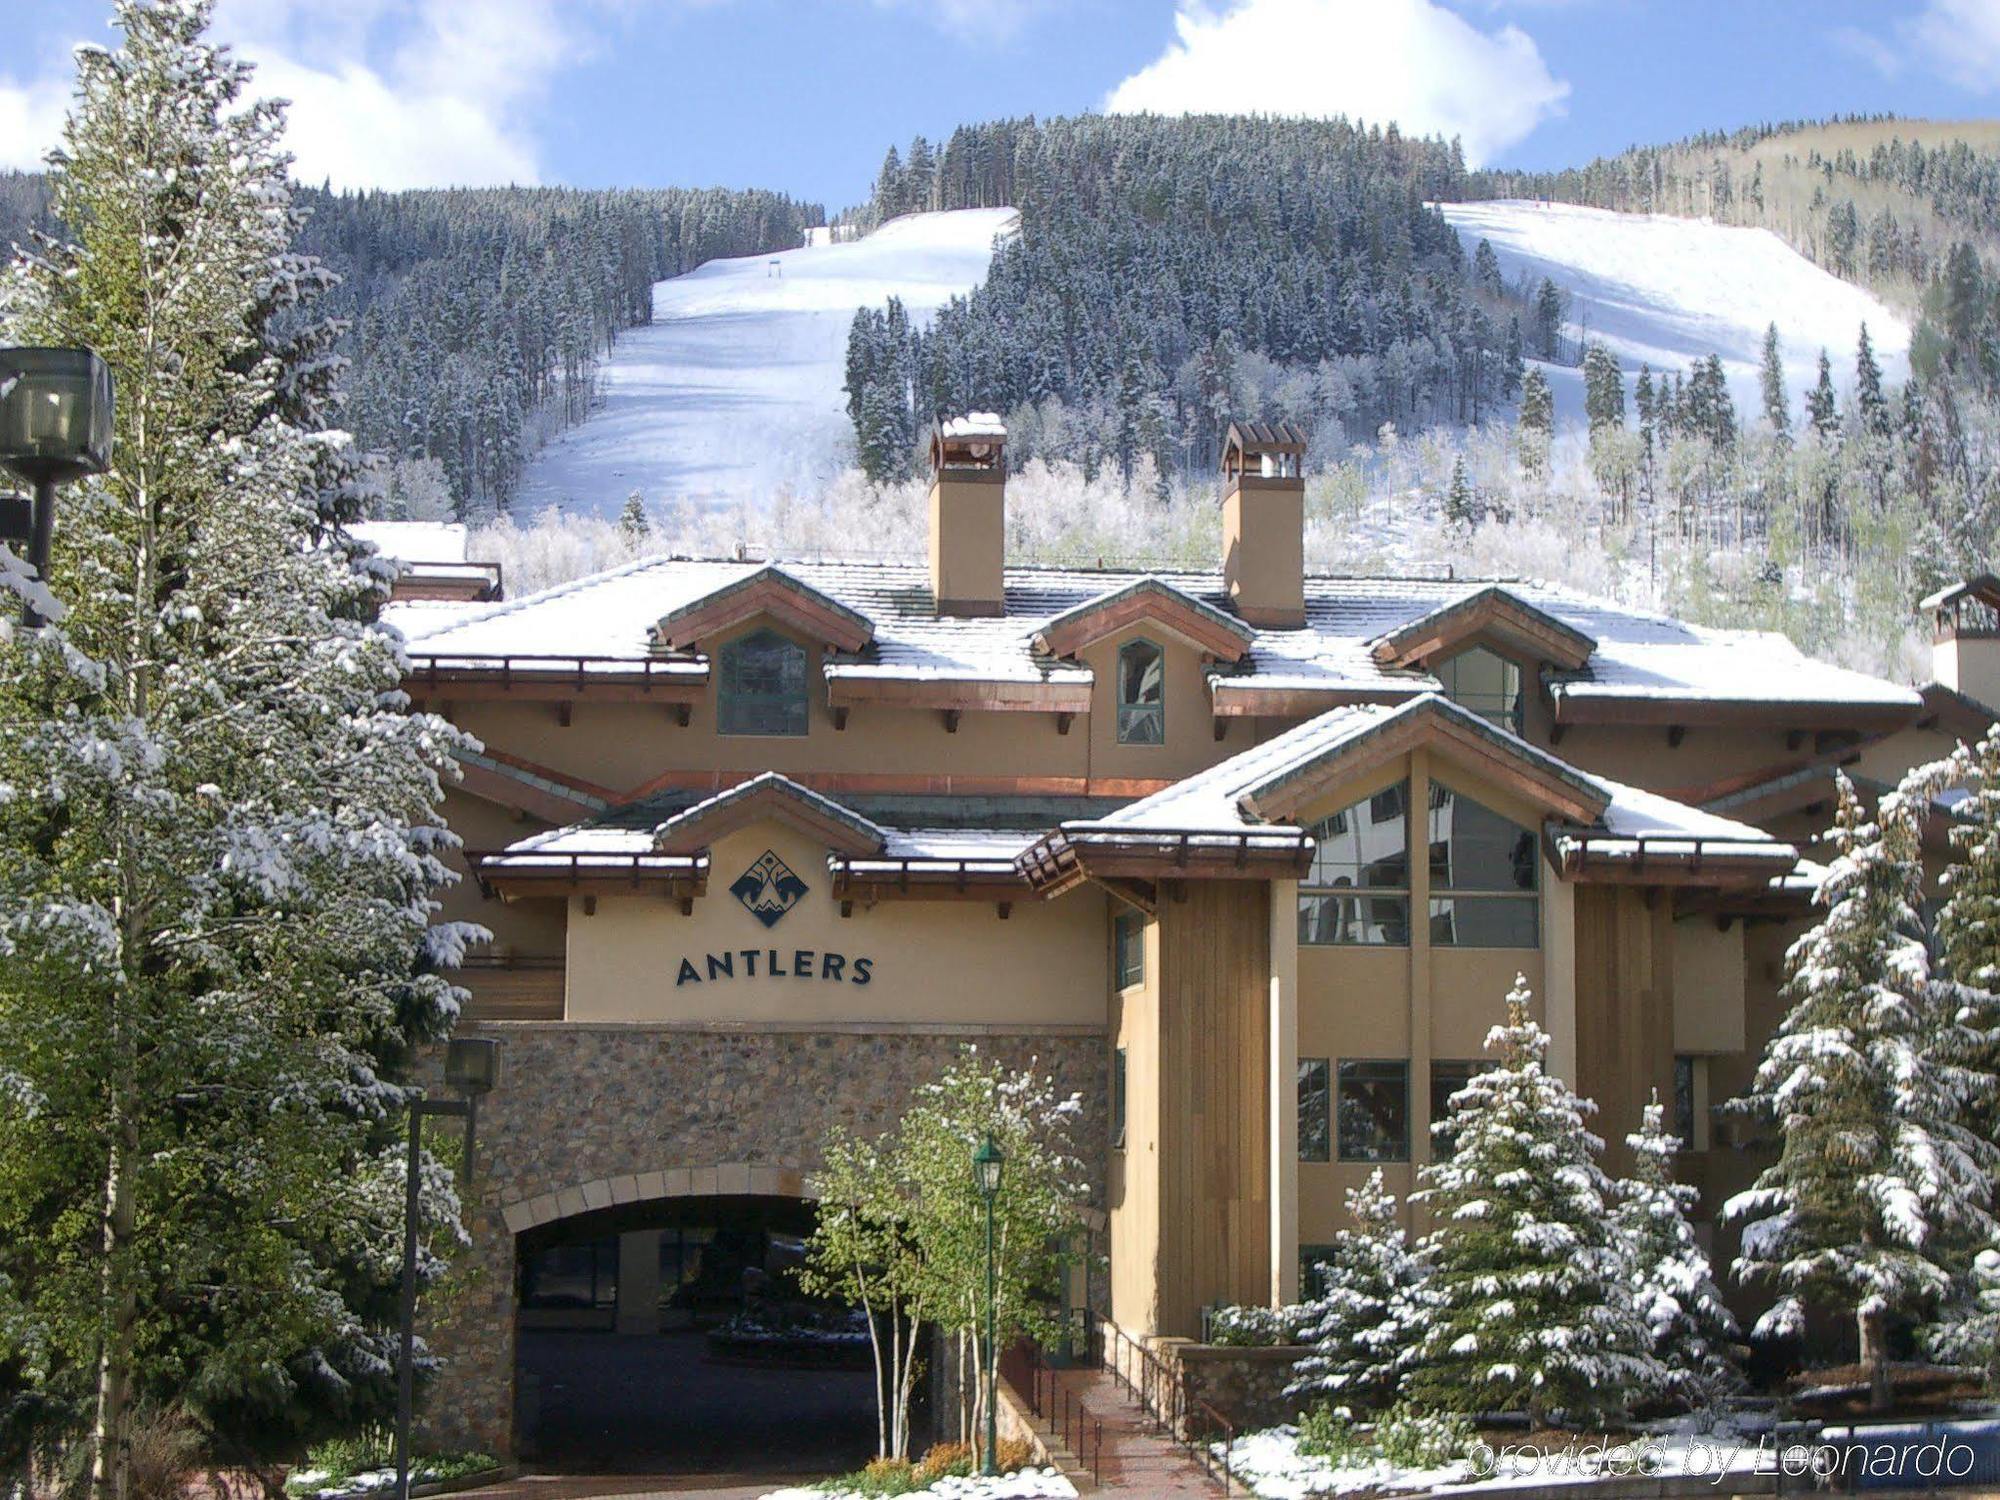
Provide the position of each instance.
(587, 1107)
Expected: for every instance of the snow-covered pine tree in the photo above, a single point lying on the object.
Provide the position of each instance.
(218, 832)
(634, 526)
(1878, 1178)
(1353, 1323)
(1820, 403)
(1870, 404)
(1528, 1304)
(1771, 380)
(1461, 504)
(1694, 1333)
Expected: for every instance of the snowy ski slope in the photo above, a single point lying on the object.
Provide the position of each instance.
(1665, 291)
(734, 390)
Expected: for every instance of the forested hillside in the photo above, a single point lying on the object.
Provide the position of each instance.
(476, 318)
(1908, 208)
(1172, 272)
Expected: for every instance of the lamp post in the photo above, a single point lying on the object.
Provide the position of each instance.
(472, 1067)
(55, 426)
(987, 1163)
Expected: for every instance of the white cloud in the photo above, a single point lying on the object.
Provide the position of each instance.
(1961, 39)
(385, 93)
(1410, 61)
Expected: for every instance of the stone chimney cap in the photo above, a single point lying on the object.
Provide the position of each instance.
(974, 424)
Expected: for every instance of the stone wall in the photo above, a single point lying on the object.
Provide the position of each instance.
(1245, 1385)
(587, 1115)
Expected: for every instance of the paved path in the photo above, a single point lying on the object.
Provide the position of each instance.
(1138, 1460)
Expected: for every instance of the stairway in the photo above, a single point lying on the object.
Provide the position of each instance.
(1101, 1437)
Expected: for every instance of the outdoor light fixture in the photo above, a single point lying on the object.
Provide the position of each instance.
(987, 1165)
(472, 1068)
(55, 426)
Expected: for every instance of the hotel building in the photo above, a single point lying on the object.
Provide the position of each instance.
(1246, 856)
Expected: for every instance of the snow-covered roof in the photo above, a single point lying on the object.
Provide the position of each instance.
(974, 424)
(1639, 655)
(414, 541)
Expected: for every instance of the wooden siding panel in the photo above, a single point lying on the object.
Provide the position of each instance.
(1624, 1009)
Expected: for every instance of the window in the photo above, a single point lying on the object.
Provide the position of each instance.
(1485, 876)
(1313, 1261)
(581, 1275)
(1315, 1112)
(1358, 889)
(1447, 1078)
(1118, 1100)
(1374, 1109)
(1487, 684)
(1142, 694)
(761, 688)
(1128, 935)
(1685, 1106)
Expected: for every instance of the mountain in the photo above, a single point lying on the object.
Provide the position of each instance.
(1664, 291)
(732, 391)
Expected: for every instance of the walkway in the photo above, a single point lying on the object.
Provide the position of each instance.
(1135, 1458)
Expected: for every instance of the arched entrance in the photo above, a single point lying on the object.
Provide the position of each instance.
(659, 1327)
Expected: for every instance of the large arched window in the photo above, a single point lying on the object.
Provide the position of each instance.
(1142, 694)
(1486, 876)
(761, 686)
(1485, 682)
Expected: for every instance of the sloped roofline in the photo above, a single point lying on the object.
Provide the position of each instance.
(773, 592)
(779, 799)
(1221, 635)
(1495, 609)
(1550, 783)
(1982, 586)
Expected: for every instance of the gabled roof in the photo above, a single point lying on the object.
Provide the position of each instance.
(1493, 610)
(1221, 635)
(769, 591)
(1981, 586)
(1266, 437)
(779, 799)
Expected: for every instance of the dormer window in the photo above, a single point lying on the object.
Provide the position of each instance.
(1486, 683)
(1142, 694)
(761, 686)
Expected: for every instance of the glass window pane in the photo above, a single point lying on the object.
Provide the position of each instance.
(761, 686)
(1118, 1098)
(1372, 918)
(1142, 694)
(1486, 921)
(1447, 1078)
(1356, 890)
(1486, 683)
(1313, 1259)
(1473, 848)
(1374, 1110)
(1684, 1101)
(1130, 931)
(1315, 1115)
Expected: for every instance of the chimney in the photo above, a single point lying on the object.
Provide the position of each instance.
(1264, 523)
(968, 514)
(1965, 644)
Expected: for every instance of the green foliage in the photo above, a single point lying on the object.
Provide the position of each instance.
(1357, 1317)
(1328, 1431)
(1257, 1327)
(1414, 1437)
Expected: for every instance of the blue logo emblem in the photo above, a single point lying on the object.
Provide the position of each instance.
(768, 889)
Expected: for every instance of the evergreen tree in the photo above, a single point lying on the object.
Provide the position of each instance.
(1513, 366)
(1603, 388)
(1820, 404)
(1549, 307)
(218, 825)
(1353, 1318)
(1528, 1304)
(1694, 1333)
(634, 526)
(1877, 1173)
(1486, 269)
(1461, 503)
(1772, 380)
(1870, 403)
(1536, 427)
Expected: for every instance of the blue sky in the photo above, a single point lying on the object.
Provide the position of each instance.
(804, 95)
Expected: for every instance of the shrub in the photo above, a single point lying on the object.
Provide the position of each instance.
(1328, 1432)
(1411, 1437)
(1259, 1327)
(883, 1476)
(341, 1458)
(945, 1459)
(1016, 1454)
(165, 1450)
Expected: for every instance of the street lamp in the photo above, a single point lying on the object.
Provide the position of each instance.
(55, 426)
(471, 1066)
(987, 1163)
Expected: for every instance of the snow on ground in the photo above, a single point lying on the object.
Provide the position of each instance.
(1029, 1484)
(1665, 291)
(734, 389)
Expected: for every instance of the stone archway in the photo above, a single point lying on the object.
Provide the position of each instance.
(727, 1179)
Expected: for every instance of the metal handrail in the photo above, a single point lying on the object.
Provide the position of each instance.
(1153, 1384)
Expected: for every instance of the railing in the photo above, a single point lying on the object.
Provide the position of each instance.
(1055, 1402)
(1157, 1388)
